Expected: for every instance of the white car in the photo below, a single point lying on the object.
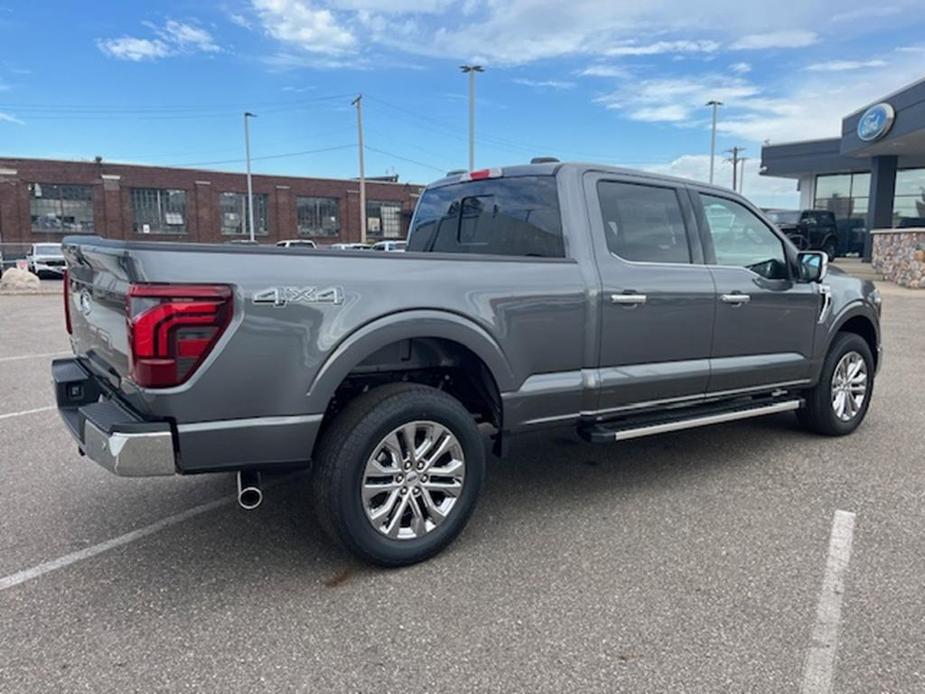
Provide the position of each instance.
(46, 260)
(349, 247)
(390, 246)
(297, 243)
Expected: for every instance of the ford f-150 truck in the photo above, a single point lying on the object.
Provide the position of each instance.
(616, 303)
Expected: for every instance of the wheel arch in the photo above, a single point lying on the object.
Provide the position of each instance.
(422, 325)
(858, 321)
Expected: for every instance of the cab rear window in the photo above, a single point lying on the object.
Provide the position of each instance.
(514, 216)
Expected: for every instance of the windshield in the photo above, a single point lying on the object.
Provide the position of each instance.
(47, 249)
(784, 216)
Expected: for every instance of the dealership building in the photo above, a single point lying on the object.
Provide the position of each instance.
(43, 200)
(872, 176)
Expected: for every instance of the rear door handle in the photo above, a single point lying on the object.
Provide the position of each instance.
(628, 299)
(736, 298)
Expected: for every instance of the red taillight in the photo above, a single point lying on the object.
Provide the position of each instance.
(67, 302)
(172, 328)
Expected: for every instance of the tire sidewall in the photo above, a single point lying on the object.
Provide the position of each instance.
(843, 345)
(358, 532)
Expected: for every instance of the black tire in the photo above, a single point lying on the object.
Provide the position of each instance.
(819, 415)
(830, 249)
(348, 442)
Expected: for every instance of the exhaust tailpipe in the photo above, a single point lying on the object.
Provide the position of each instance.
(249, 494)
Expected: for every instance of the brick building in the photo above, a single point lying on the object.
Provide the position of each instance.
(42, 200)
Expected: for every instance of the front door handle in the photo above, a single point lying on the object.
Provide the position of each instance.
(628, 299)
(736, 298)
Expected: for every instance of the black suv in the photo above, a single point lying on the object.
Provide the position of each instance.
(810, 230)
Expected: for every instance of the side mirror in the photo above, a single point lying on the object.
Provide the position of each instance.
(814, 265)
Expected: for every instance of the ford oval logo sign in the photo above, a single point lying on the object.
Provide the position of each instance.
(876, 122)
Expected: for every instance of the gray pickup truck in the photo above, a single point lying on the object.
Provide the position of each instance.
(616, 303)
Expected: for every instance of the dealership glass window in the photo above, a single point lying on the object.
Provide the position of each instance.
(383, 219)
(909, 203)
(61, 207)
(233, 211)
(158, 211)
(318, 216)
(845, 195)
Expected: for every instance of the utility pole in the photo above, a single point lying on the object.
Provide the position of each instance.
(250, 183)
(715, 104)
(358, 102)
(735, 165)
(471, 70)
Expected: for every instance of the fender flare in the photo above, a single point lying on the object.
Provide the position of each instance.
(855, 309)
(386, 330)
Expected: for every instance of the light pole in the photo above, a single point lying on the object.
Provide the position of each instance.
(358, 102)
(250, 183)
(471, 70)
(715, 104)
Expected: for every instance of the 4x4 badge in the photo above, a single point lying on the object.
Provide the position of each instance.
(282, 296)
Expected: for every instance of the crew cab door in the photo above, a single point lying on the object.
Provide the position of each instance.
(765, 320)
(657, 299)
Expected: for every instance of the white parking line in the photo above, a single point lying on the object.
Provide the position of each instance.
(819, 666)
(34, 356)
(74, 557)
(8, 415)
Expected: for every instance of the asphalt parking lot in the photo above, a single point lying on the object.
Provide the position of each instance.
(692, 562)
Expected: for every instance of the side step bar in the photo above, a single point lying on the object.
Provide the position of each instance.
(602, 433)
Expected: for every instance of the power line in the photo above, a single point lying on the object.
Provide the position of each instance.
(410, 161)
(270, 156)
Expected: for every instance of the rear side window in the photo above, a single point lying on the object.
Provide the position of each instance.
(508, 216)
(643, 223)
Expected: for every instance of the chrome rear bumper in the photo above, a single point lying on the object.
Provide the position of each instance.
(106, 431)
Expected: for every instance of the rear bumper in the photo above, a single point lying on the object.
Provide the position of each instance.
(107, 432)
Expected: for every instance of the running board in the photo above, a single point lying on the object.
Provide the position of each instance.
(602, 433)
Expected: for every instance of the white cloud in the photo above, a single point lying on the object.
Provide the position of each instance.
(240, 20)
(631, 49)
(300, 24)
(677, 99)
(775, 39)
(173, 38)
(8, 118)
(870, 12)
(604, 71)
(545, 84)
(741, 68)
(670, 113)
(844, 65)
(131, 48)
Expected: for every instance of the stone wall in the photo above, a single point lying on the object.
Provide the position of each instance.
(899, 256)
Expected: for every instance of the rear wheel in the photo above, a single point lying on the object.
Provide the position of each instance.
(830, 249)
(839, 402)
(397, 474)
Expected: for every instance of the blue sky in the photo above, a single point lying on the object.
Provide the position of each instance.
(595, 80)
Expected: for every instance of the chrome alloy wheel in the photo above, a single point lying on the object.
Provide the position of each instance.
(849, 386)
(413, 480)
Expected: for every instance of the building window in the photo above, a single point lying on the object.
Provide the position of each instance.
(158, 211)
(383, 219)
(63, 208)
(318, 216)
(909, 203)
(845, 195)
(234, 215)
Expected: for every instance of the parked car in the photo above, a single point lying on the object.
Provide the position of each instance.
(297, 243)
(616, 303)
(809, 230)
(349, 247)
(390, 246)
(46, 260)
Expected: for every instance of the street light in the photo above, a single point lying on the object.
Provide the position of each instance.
(250, 184)
(471, 70)
(714, 103)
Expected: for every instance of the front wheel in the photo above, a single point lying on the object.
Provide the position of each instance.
(839, 402)
(830, 249)
(397, 474)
